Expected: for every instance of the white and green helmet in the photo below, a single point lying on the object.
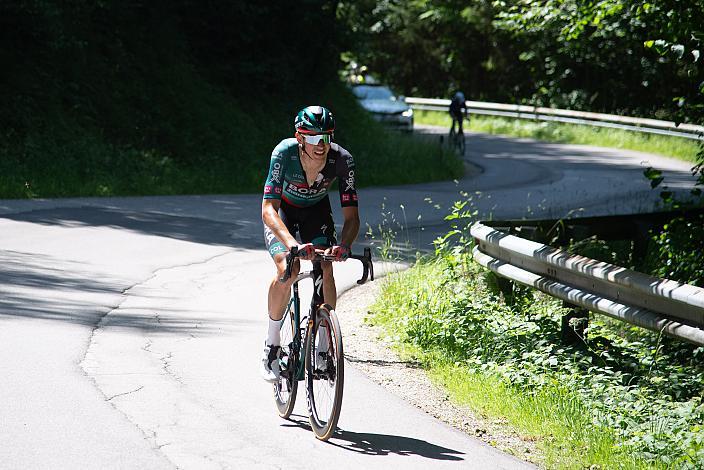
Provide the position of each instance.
(314, 120)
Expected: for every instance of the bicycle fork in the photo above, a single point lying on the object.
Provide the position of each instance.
(305, 323)
(322, 338)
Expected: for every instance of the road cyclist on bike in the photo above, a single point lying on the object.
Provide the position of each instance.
(296, 201)
(458, 111)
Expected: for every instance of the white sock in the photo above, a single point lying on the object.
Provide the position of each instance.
(273, 337)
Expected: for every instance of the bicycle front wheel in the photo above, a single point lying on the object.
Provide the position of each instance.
(286, 387)
(325, 372)
(460, 144)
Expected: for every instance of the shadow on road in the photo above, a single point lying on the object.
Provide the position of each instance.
(46, 287)
(382, 444)
(192, 229)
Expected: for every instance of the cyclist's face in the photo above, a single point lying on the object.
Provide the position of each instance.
(317, 151)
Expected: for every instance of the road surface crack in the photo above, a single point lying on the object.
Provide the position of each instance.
(126, 393)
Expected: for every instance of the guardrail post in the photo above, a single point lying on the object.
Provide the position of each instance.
(506, 288)
(641, 239)
(574, 324)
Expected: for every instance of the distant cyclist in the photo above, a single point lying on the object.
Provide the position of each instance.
(458, 111)
(301, 171)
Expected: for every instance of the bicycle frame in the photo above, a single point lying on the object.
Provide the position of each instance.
(294, 305)
(304, 358)
(294, 308)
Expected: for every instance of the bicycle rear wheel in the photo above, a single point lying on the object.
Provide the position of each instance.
(325, 374)
(286, 387)
(451, 139)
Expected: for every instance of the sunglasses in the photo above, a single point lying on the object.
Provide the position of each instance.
(317, 138)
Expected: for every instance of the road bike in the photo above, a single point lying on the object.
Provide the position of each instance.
(311, 349)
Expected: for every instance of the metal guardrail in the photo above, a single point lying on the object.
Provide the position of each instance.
(652, 126)
(657, 304)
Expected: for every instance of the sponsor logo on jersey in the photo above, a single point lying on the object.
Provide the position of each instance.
(304, 191)
(345, 198)
(276, 173)
(267, 189)
(350, 181)
(277, 190)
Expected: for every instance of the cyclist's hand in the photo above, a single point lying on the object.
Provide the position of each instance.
(340, 252)
(306, 251)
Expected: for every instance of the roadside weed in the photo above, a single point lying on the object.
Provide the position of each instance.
(624, 398)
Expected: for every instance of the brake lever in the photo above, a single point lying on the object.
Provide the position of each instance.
(289, 263)
(367, 265)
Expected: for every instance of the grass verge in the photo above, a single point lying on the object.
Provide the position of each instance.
(622, 398)
(676, 147)
(213, 143)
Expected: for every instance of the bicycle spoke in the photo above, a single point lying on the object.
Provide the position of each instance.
(324, 383)
(286, 387)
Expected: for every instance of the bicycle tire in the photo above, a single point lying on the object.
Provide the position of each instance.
(451, 138)
(286, 388)
(319, 385)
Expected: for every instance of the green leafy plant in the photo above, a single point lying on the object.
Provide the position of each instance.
(623, 397)
(676, 251)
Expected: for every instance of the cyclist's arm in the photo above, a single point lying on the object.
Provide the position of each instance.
(271, 202)
(350, 227)
(345, 170)
(270, 216)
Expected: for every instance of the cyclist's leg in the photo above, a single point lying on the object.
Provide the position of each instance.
(317, 227)
(456, 119)
(279, 292)
(278, 297)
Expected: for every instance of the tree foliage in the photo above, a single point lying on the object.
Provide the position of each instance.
(122, 69)
(621, 56)
(428, 47)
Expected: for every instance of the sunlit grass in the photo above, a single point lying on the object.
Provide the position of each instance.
(507, 364)
(676, 147)
(552, 418)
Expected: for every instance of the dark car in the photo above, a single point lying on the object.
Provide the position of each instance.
(384, 105)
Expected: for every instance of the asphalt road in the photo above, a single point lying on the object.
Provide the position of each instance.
(130, 328)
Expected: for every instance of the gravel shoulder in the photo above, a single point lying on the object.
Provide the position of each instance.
(366, 350)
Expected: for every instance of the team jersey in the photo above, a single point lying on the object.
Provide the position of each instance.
(287, 180)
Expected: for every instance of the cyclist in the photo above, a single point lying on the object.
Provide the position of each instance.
(301, 171)
(457, 106)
